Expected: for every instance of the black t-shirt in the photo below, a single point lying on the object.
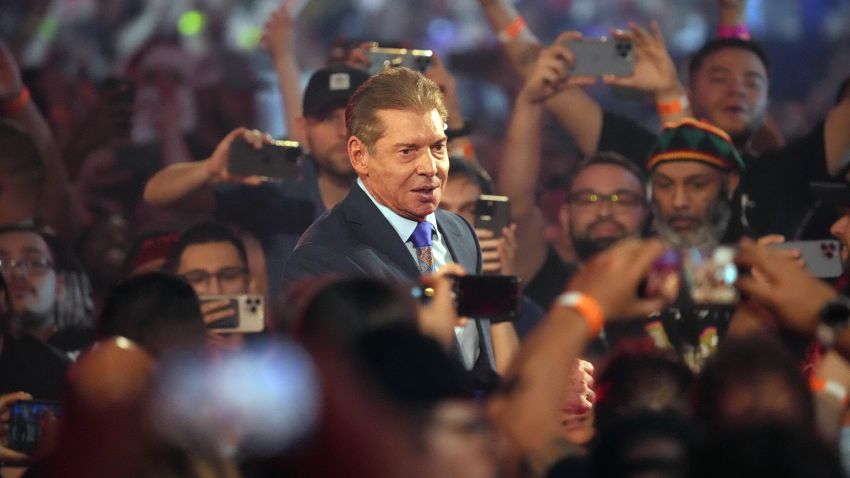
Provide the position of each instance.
(550, 281)
(29, 365)
(775, 185)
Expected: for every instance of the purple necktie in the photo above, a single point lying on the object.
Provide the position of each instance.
(421, 239)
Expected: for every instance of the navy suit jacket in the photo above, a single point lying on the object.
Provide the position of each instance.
(354, 238)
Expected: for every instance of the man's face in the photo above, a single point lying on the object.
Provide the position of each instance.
(459, 197)
(327, 142)
(409, 164)
(840, 229)
(730, 90)
(33, 283)
(605, 204)
(690, 201)
(214, 268)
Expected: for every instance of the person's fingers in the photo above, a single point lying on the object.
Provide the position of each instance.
(491, 255)
(623, 81)
(657, 34)
(216, 316)
(451, 269)
(251, 180)
(581, 81)
(647, 252)
(641, 37)
(770, 239)
(7, 454)
(756, 288)
(212, 305)
(9, 398)
(752, 256)
(483, 233)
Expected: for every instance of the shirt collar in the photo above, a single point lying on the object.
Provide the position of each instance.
(403, 226)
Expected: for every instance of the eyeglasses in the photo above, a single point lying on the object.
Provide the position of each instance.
(34, 266)
(225, 275)
(624, 199)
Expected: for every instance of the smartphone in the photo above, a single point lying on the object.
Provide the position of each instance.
(494, 297)
(279, 161)
(602, 56)
(416, 60)
(492, 213)
(26, 421)
(709, 275)
(249, 317)
(822, 257)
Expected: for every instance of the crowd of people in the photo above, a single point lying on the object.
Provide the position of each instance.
(682, 306)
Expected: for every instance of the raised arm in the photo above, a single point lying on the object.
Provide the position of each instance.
(519, 168)
(279, 41)
(528, 410)
(574, 109)
(179, 180)
(59, 208)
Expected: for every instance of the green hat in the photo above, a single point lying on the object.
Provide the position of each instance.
(692, 140)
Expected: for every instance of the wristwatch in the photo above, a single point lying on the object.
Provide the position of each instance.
(834, 318)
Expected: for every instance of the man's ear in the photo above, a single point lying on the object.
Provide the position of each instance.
(732, 181)
(358, 156)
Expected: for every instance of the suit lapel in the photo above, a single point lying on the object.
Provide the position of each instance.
(458, 245)
(376, 232)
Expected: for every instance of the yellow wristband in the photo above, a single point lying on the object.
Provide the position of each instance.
(587, 307)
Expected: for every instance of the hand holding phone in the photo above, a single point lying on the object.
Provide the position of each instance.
(236, 313)
(822, 257)
(28, 420)
(601, 56)
(275, 161)
(494, 297)
(492, 213)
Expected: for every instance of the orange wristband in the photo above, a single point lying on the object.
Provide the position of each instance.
(13, 105)
(587, 307)
(512, 30)
(672, 107)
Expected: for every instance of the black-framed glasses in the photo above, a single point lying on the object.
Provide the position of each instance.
(626, 199)
(27, 265)
(225, 275)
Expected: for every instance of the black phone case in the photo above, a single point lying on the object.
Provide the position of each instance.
(272, 162)
(492, 214)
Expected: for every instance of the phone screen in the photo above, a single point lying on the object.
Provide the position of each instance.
(26, 422)
(487, 296)
(280, 161)
(492, 213)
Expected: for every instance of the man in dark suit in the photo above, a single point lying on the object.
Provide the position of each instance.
(389, 225)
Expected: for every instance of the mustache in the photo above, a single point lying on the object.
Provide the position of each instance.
(686, 217)
(607, 221)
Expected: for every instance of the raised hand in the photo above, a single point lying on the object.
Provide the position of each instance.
(654, 71)
(612, 278)
(788, 291)
(218, 163)
(551, 72)
(279, 32)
